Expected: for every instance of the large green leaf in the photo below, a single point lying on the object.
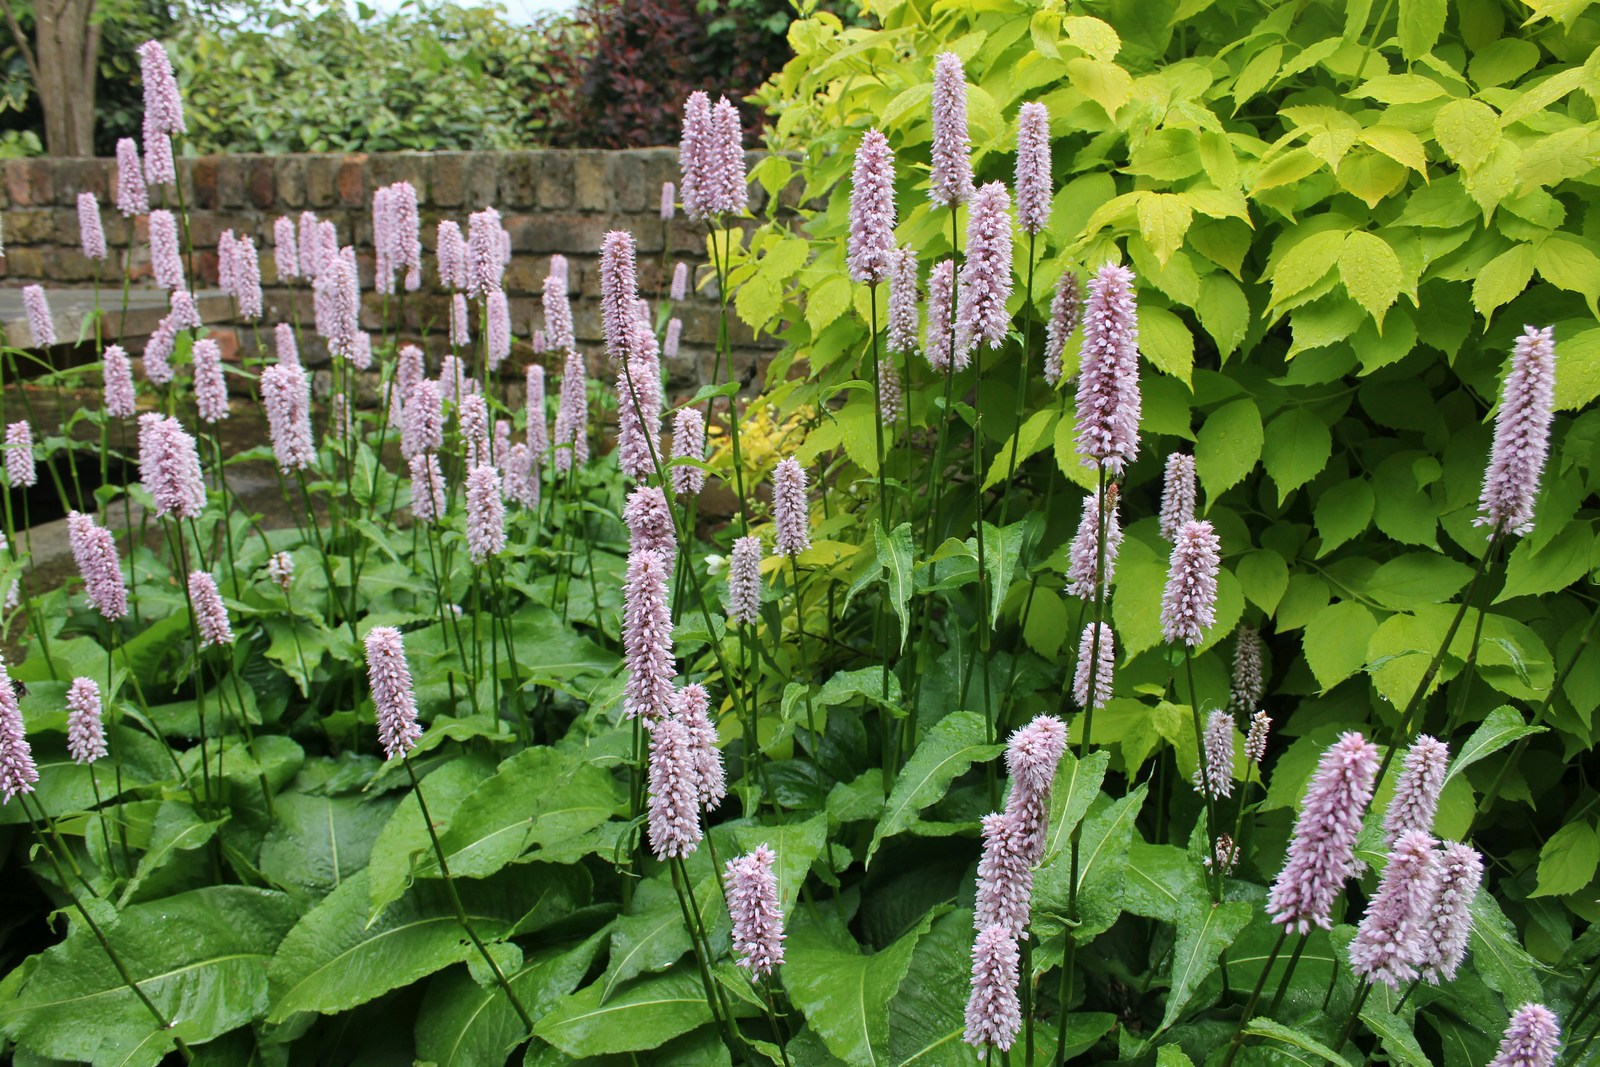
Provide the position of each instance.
(652, 936)
(927, 1016)
(1569, 860)
(1077, 783)
(1228, 445)
(1499, 728)
(843, 994)
(955, 743)
(640, 1016)
(796, 846)
(1204, 931)
(1335, 641)
(1102, 869)
(201, 957)
(403, 841)
(333, 959)
(317, 841)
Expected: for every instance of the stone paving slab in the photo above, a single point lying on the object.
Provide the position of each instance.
(72, 308)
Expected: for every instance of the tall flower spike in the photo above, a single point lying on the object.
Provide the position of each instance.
(521, 479)
(1032, 756)
(669, 198)
(410, 367)
(648, 517)
(981, 315)
(639, 410)
(86, 737)
(1033, 167)
(159, 166)
(994, 1014)
(184, 314)
(286, 396)
(1249, 682)
(163, 105)
(1099, 654)
(744, 580)
(872, 212)
(21, 471)
(1108, 373)
(423, 430)
(688, 442)
(225, 261)
(890, 400)
(1416, 794)
(647, 636)
(427, 488)
(41, 325)
(1447, 924)
(1255, 742)
(791, 514)
(283, 344)
(939, 336)
(1531, 1039)
(1066, 310)
(1521, 435)
(674, 338)
(695, 152)
(166, 262)
(619, 291)
(133, 196)
(210, 616)
(285, 253)
(1389, 945)
(247, 278)
(450, 253)
(158, 351)
(1005, 876)
(691, 707)
(90, 233)
(557, 315)
(17, 770)
(537, 342)
(310, 245)
(210, 388)
(755, 911)
(117, 374)
(169, 467)
(674, 808)
(1082, 556)
(572, 416)
(392, 696)
(1178, 495)
(902, 300)
(94, 549)
(486, 514)
(1214, 776)
(1189, 602)
(680, 282)
(730, 194)
(1321, 853)
(485, 259)
(538, 429)
(559, 268)
(499, 315)
(460, 322)
(952, 161)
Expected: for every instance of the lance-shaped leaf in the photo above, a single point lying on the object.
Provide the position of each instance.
(955, 743)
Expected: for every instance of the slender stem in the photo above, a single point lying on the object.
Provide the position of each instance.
(680, 876)
(1064, 995)
(1355, 1014)
(1214, 875)
(1255, 998)
(1288, 972)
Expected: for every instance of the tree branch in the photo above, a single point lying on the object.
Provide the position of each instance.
(23, 46)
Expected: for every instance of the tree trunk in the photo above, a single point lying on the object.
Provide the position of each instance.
(63, 63)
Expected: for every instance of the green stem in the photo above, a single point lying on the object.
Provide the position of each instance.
(1214, 875)
(1255, 998)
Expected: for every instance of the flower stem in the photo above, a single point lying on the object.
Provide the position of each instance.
(1255, 998)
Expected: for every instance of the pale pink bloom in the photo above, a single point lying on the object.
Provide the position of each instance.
(572, 416)
(285, 255)
(1033, 167)
(1447, 924)
(639, 410)
(696, 150)
(951, 182)
(18, 772)
(619, 290)
(521, 476)
(647, 636)
(286, 396)
(755, 911)
(1531, 1039)
(1249, 682)
(185, 315)
(726, 178)
(247, 278)
(450, 252)
(342, 291)
(410, 367)
(283, 344)
(1189, 602)
(889, 396)
(280, 570)
(158, 351)
(210, 388)
(902, 300)
(1213, 777)
(872, 211)
(1521, 435)
(94, 549)
(166, 262)
(1416, 794)
(994, 1014)
(310, 245)
(169, 467)
(538, 430)
(981, 315)
(472, 419)
(427, 488)
(939, 339)
(486, 514)
(163, 105)
(423, 430)
(1084, 558)
(90, 233)
(159, 166)
(1178, 495)
(744, 580)
(453, 380)
(559, 268)
(20, 467)
(210, 617)
(1032, 756)
(392, 698)
(1391, 942)
(133, 197)
(674, 807)
(460, 322)
(648, 517)
(1108, 373)
(557, 315)
(41, 324)
(674, 338)
(1321, 854)
(485, 258)
(502, 440)
(86, 737)
(1066, 308)
(117, 373)
(1005, 876)
(1255, 742)
(680, 282)
(1097, 655)
(688, 442)
(790, 511)
(225, 261)
(669, 197)
(691, 706)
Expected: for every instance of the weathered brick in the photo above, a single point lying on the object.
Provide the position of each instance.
(517, 179)
(352, 180)
(41, 180)
(24, 263)
(322, 174)
(29, 227)
(204, 173)
(291, 181)
(482, 181)
(447, 179)
(567, 234)
(635, 189)
(591, 180)
(74, 176)
(553, 181)
(260, 182)
(17, 183)
(230, 181)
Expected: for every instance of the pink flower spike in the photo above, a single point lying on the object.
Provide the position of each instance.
(890, 399)
(639, 410)
(981, 315)
(994, 1015)
(1189, 602)
(791, 513)
(939, 338)
(1178, 495)
(1322, 851)
(648, 517)
(572, 416)
(619, 291)
(1447, 922)
(1033, 167)
(485, 252)
(537, 429)
(158, 351)
(499, 315)
(86, 736)
(902, 300)
(1108, 373)
(427, 488)
(744, 580)
(117, 373)
(696, 149)
(872, 211)
(392, 697)
(674, 807)
(18, 773)
(680, 282)
(280, 570)
(669, 196)
(286, 396)
(163, 104)
(1416, 794)
(210, 388)
(951, 181)
(729, 192)
(1213, 776)
(755, 911)
(1531, 1039)
(558, 333)
(1248, 684)
(90, 233)
(184, 314)
(159, 166)
(21, 471)
(1521, 435)
(1084, 556)
(1255, 742)
(1066, 309)
(1099, 654)
(486, 514)
(94, 549)
(647, 636)
(688, 442)
(1031, 757)
(285, 256)
(460, 322)
(283, 344)
(41, 324)
(210, 617)
(423, 430)
(1005, 876)
(133, 196)
(169, 467)
(450, 252)
(166, 262)
(310, 245)
(247, 278)
(691, 706)
(1389, 945)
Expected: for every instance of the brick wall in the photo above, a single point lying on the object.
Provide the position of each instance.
(551, 201)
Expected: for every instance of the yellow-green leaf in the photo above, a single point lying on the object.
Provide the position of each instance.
(1101, 81)
(1093, 36)
(1305, 264)
(1228, 446)
(1399, 144)
(1577, 370)
(1421, 22)
(1166, 341)
(1467, 130)
(1566, 264)
(1502, 279)
(1163, 220)
(1370, 271)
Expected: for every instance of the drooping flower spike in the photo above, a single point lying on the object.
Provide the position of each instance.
(392, 697)
(1390, 945)
(1032, 757)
